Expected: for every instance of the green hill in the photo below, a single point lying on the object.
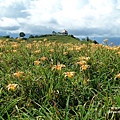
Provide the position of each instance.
(58, 38)
(63, 39)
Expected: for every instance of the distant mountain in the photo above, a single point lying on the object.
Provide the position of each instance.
(114, 40)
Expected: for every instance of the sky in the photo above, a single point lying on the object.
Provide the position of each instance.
(79, 17)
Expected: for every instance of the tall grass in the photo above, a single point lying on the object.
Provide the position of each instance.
(59, 81)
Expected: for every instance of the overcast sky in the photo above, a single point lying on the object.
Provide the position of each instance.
(78, 17)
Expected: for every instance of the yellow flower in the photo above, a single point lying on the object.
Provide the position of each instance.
(1, 41)
(18, 74)
(36, 62)
(84, 67)
(84, 58)
(118, 76)
(118, 53)
(34, 41)
(12, 86)
(58, 67)
(69, 74)
(82, 62)
(51, 50)
(47, 44)
(14, 51)
(7, 40)
(6, 51)
(29, 46)
(37, 52)
(18, 38)
(77, 48)
(65, 53)
(23, 41)
(45, 39)
(15, 46)
(70, 49)
(43, 58)
(2, 46)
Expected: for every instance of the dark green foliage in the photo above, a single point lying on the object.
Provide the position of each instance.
(54, 33)
(31, 36)
(21, 34)
(7, 36)
(87, 38)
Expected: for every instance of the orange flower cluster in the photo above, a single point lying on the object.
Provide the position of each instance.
(84, 58)
(29, 46)
(83, 62)
(15, 46)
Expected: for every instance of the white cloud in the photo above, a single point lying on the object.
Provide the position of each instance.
(79, 17)
(13, 8)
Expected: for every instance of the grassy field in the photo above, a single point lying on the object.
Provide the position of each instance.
(43, 79)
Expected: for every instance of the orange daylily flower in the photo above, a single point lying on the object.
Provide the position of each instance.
(18, 74)
(14, 51)
(69, 74)
(51, 50)
(36, 62)
(15, 46)
(12, 86)
(82, 62)
(43, 58)
(84, 67)
(118, 53)
(29, 46)
(117, 76)
(65, 53)
(84, 58)
(58, 66)
(45, 39)
(37, 52)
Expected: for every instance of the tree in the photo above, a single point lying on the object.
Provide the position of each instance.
(94, 41)
(7, 36)
(36, 36)
(21, 34)
(31, 36)
(87, 38)
(53, 32)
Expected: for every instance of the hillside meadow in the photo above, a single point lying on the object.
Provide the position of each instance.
(41, 79)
